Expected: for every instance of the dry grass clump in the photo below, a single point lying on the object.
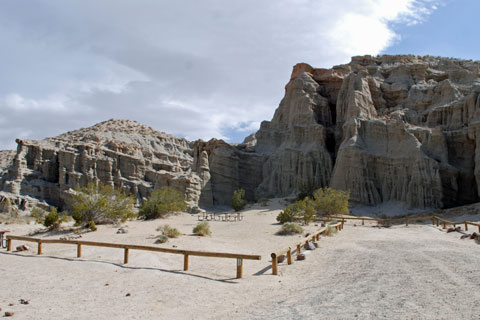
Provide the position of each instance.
(202, 229)
(289, 229)
(168, 231)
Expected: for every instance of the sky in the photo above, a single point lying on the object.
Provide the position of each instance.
(196, 69)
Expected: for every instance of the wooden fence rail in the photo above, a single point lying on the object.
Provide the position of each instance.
(435, 220)
(128, 247)
(298, 246)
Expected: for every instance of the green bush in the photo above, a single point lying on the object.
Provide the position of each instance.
(238, 200)
(92, 226)
(161, 202)
(202, 229)
(162, 238)
(329, 201)
(289, 229)
(53, 219)
(38, 215)
(303, 210)
(166, 230)
(102, 204)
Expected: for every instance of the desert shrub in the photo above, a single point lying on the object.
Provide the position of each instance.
(162, 238)
(303, 210)
(38, 215)
(161, 202)
(238, 200)
(53, 219)
(329, 201)
(168, 231)
(102, 204)
(202, 229)
(289, 229)
(92, 226)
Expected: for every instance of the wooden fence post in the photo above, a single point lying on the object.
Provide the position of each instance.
(289, 256)
(185, 262)
(125, 256)
(444, 226)
(299, 248)
(9, 244)
(39, 247)
(239, 267)
(437, 221)
(274, 264)
(363, 222)
(466, 226)
(79, 250)
(433, 221)
(406, 222)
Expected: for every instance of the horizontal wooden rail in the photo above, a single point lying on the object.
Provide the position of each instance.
(128, 247)
(298, 246)
(435, 220)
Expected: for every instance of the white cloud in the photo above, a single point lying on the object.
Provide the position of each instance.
(198, 69)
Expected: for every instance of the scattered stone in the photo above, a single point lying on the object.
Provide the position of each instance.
(474, 236)
(23, 301)
(451, 229)
(107, 284)
(10, 304)
(122, 230)
(128, 294)
(281, 258)
(23, 247)
(309, 246)
(301, 256)
(9, 314)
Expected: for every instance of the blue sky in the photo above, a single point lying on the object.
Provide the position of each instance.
(195, 69)
(450, 31)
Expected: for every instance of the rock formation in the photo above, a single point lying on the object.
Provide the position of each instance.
(121, 153)
(387, 128)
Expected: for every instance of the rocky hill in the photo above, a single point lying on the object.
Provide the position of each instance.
(387, 128)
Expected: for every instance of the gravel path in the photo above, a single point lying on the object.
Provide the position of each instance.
(419, 272)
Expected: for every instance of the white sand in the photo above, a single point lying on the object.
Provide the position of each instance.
(418, 272)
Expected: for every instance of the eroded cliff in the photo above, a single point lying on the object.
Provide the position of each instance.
(387, 128)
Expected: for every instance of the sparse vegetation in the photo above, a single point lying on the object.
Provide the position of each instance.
(162, 238)
(300, 210)
(238, 200)
(92, 226)
(329, 201)
(162, 202)
(53, 219)
(289, 229)
(168, 231)
(38, 215)
(102, 204)
(202, 229)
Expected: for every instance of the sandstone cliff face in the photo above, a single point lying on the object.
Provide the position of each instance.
(387, 128)
(404, 129)
(121, 153)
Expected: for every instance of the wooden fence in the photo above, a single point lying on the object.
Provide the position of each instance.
(298, 245)
(128, 247)
(435, 220)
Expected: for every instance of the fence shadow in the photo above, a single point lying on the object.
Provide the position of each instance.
(83, 260)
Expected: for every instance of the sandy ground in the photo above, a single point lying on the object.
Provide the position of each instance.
(365, 272)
